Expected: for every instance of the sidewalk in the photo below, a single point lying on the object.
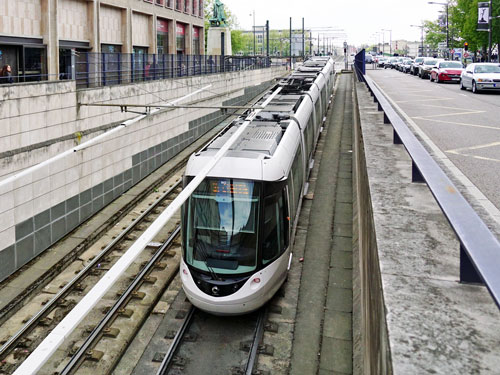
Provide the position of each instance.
(323, 328)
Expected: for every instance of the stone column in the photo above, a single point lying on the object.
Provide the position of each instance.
(189, 39)
(50, 38)
(172, 37)
(152, 40)
(127, 31)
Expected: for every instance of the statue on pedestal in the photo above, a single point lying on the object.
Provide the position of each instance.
(219, 16)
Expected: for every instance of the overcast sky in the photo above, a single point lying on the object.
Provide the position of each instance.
(360, 19)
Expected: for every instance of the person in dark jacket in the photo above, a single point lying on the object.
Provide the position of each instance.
(6, 74)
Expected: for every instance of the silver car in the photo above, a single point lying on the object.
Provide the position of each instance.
(481, 76)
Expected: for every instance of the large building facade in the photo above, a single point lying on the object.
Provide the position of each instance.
(37, 36)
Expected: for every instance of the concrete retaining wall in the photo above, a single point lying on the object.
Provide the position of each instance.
(413, 314)
(371, 346)
(39, 121)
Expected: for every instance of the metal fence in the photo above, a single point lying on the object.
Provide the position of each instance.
(104, 69)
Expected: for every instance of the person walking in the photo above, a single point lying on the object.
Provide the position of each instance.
(6, 74)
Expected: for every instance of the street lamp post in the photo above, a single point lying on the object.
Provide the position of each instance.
(253, 13)
(447, 32)
(421, 37)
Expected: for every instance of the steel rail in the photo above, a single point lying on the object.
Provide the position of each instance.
(479, 248)
(176, 341)
(77, 358)
(10, 344)
(257, 338)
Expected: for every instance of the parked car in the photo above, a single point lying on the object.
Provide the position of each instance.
(414, 66)
(398, 63)
(481, 76)
(391, 63)
(426, 67)
(368, 58)
(381, 61)
(449, 71)
(406, 65)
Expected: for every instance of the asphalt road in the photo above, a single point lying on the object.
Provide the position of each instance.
(463, 125)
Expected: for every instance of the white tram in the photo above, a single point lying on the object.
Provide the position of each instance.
(237, 225)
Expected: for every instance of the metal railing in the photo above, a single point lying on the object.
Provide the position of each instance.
(479, 248)
(104, 69)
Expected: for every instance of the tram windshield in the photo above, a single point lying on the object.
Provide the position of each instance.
(222, 217)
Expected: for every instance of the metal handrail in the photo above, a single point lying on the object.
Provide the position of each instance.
(479, 248)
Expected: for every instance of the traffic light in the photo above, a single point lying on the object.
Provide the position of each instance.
(466, 46)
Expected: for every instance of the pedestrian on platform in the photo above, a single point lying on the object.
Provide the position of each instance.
(6, 74)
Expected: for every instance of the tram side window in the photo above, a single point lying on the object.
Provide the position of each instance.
(274, 228)
(323, 97)
(298, 175)
(310, 136)
(291, 198)
(318, 112)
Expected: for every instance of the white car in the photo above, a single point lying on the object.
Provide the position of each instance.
(481, 76)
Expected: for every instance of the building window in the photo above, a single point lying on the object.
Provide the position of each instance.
(178, 5)
(196, 41)
(169, 3)
(200, 5)
(35, 64)
(195, 8)
(180, 30)
(162, 36)
(159, 2)
(186, 6)
(111, 48)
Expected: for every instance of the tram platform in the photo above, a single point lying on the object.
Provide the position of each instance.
(324, 318)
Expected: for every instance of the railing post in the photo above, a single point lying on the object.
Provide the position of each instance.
(132, 71)
(468, 273)
(163, 66)
(396, 139)
(172, 66)
(104, 69)
(154, 66)
(119, 68)
(416, 176)
(87, 69)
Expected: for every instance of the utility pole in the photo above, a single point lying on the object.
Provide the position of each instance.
(490, 24)
(267, 38)
(290, 43)
(303, 41)
(254, 32)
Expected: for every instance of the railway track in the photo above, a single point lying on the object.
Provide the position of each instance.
(25, 339)
(199, 329)
(25, 324)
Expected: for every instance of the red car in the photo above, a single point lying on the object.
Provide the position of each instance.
(446, 71)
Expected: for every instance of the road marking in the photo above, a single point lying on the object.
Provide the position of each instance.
(442, 106)
(493, 144)
(447, 114)
(473, 190)
(423, 100)
(474, 156)
(460, 123)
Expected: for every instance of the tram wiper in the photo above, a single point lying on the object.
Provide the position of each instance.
(204, 255)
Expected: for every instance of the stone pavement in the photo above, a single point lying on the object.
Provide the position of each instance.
(323, 330)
